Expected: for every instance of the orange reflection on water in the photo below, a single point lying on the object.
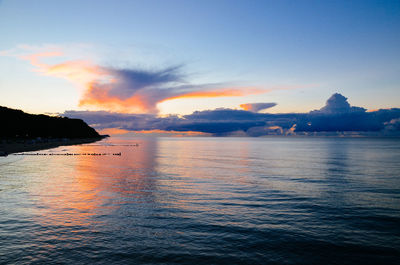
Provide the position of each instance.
(65, 197)
(125, 175)
(90, 185)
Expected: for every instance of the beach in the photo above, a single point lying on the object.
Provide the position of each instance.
(11, 146)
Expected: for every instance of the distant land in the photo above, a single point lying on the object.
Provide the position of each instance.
(21, 132)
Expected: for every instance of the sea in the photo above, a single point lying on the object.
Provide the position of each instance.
(188, 200)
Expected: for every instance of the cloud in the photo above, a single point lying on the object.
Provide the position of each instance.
(80, 72)
(129, 90)
(139, 91)
(231, 122)
(216, 122)
(125, 90)
(336, 104)
(393, 125)
(256, 107)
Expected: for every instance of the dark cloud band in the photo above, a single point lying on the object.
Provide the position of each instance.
(336, 116)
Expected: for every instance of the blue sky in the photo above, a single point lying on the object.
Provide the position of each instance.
(311, 49)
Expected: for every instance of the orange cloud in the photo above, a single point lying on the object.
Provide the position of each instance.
(101, 97)
(256, 107)
(143, 103)
(34, 58)
(129, 90)
(118, 131)
(373, 110)
(113, 131)
(79, 71)
(245, 106)
(172, 133)
(221, 92)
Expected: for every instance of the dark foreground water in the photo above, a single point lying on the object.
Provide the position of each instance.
(204, 201)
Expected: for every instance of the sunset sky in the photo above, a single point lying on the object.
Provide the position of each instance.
(176, 57)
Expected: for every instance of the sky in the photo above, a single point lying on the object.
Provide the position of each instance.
(177, 57)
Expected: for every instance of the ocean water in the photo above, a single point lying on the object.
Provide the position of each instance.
(270, 200)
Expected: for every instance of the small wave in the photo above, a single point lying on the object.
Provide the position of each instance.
(9, 159)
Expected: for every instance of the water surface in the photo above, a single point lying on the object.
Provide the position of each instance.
(204, 200)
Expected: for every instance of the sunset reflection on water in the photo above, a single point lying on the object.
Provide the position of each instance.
(225, 200)
(89, 185)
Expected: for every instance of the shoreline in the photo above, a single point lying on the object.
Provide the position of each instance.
(13, 146)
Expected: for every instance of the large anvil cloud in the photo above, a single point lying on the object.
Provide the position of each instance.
(132, 90)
